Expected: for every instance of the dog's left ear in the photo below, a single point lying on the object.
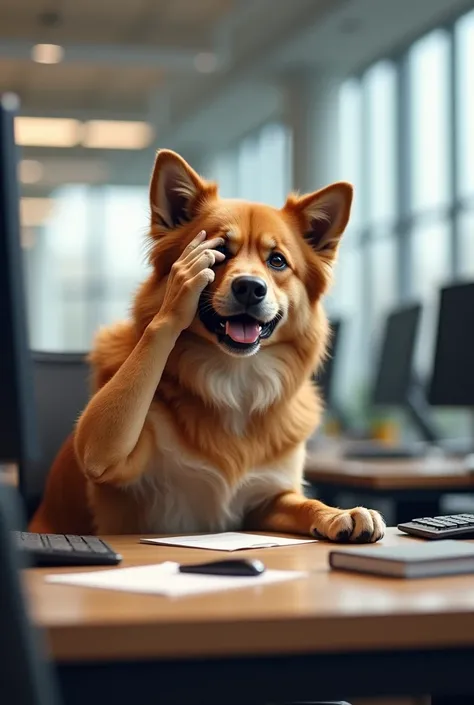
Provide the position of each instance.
(322, 217)
(176, 191)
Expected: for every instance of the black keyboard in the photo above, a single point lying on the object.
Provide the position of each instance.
(48, 550)
(455, 526)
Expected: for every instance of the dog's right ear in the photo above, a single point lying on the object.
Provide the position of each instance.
(176, 191)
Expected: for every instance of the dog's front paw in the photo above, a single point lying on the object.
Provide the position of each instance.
(357, 525)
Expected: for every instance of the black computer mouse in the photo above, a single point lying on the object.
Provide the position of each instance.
(238, 567)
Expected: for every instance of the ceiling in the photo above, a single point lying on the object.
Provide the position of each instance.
(201, 72)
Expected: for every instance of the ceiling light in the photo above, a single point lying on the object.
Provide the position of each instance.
(47, 53)
(30, 171)
(47, 132)
(35, 211)
(116, 134)
(205, 62)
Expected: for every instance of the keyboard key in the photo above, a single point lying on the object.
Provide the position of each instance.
(78, 543)
(58, 543)
(96, 544)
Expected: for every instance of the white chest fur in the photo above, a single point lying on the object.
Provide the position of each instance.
(184, 495)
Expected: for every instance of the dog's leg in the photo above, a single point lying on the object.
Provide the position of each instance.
(113, 441)
(293, 513)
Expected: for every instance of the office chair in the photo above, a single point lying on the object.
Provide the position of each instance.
(61, 391)
(26, 677)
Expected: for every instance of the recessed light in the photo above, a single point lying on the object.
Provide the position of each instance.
(30, 171)
(116, 134)
(47, 132)
(205, 62)
(47, 53)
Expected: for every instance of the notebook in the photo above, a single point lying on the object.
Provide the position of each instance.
(413, 560)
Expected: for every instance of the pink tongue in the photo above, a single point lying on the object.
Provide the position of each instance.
(242, 332)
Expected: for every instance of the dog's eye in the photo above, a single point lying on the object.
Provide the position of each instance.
(224, 249)
(277, 261)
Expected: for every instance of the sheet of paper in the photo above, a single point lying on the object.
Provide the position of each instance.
(227, 541)
(165, 579)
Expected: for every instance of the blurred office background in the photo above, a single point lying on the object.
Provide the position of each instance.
(264, 96)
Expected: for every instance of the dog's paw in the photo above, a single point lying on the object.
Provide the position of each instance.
(357, 525)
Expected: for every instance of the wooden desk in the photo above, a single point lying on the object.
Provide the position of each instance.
(414, 485)
(287, 642)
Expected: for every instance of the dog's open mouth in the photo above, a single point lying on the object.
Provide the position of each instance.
(241, 333)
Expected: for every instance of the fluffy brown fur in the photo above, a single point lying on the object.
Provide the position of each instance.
(182, 434)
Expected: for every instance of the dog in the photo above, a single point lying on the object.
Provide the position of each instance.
(203, 401)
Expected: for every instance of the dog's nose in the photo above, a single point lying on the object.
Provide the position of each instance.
(249, 291)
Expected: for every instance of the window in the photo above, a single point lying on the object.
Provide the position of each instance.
(125, 222)
(345, 301)
(85, 264)
(464, 36)
(466, 242)
(382, 256)
(430, 245)
(381, 114)
(350, 144)
(257, 168)
(429, 127)
(274, 148)
(412, 232)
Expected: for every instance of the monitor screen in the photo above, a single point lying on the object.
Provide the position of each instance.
(395, 367)
(325, 377)
(17, 428)
(452, 381)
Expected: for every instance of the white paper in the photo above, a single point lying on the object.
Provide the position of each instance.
(228, 541)
(165, 579)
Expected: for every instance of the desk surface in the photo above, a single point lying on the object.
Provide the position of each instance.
(429, 473)
(327, 612)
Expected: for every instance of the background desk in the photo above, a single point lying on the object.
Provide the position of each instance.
(332, 635)
(415, 486)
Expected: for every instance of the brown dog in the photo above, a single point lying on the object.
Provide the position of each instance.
(203, 402)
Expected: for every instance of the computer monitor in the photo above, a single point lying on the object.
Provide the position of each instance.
(396, 384)
(26, 672)
(395, 364)
(18, 441)
(327, 374)
(452, 380)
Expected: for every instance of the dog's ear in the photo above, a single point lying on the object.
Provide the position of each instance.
(322, 217)
(176, 191)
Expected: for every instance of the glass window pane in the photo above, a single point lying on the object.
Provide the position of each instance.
(466, 242)
(383, 284)
(350, 143)
(464, 37)
(57, 267)
(224, 172)
(429, 109)
(274, 158)
(248, 169)
(380, 97)
(430, 252)
(345, 300)
(125, 215)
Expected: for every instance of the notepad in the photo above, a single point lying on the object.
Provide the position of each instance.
(165, 579)
(412, 560)
(227, 541)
